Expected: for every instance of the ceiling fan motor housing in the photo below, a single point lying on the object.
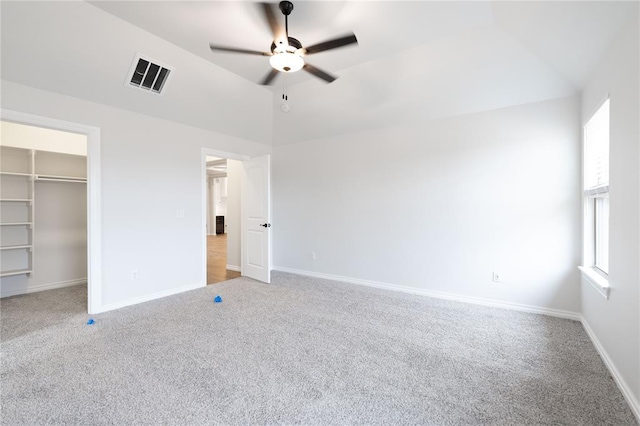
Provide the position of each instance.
(294, 44)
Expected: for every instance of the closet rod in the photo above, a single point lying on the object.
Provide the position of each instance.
(62, 180)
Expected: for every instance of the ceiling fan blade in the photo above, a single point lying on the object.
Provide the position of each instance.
(235, 50)
(332, 44)
(318, 73)
(269, 77)
(276, 28)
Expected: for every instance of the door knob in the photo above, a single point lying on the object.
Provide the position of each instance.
(266, 225)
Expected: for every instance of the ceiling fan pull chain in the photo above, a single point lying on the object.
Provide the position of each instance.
(284, 88)
(285, 96)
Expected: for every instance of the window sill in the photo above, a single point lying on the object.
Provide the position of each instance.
(600, 283)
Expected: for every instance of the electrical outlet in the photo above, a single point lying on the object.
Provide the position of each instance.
(180, 213)
(135, 275)
(497, 277)
(313, 255)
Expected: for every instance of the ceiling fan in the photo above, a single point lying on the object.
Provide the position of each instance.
(287, 54)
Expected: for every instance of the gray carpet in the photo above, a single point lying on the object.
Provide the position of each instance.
(298, 351)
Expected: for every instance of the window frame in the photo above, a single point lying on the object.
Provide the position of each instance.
(600, 241)
(594, 269)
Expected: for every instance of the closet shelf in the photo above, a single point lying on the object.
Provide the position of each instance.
(16, 200)
(16, 224)
(15, 174)
(15, 272)
(16, 247)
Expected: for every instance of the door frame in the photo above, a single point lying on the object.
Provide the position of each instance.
(94, 217)
(203, 197)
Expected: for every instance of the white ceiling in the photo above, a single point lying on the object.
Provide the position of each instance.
(416, 59)
(76, 49)
(382, 28)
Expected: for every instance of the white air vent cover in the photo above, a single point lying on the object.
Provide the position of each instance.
(148, 74)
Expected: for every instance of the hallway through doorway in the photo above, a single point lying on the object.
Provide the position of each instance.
(217, 260)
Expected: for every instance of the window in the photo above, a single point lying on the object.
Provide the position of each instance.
(596, 189)
(601, 230)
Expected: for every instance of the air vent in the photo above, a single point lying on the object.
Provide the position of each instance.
(147, 74)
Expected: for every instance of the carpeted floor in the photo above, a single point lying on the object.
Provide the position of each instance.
(298, 351)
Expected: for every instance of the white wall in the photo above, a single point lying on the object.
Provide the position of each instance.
(438, 205)
(234, 180)
(150, 168)
(60, 240)
(211, 223)
(31, 137)
(616, 322)
(219, 200)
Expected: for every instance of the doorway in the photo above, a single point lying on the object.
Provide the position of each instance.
(223, 218)
(43, 216)
(246, 227)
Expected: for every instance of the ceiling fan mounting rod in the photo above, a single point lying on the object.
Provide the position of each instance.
(286, 7)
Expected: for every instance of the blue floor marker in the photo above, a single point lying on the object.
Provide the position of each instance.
(91, 321)
(217, 299)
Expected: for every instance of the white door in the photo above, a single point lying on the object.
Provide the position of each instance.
(256, 216)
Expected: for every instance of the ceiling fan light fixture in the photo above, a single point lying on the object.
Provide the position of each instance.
(287, 54)
(286, 62)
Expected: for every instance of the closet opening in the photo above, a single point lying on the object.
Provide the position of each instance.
(44, 217)
(223, 205)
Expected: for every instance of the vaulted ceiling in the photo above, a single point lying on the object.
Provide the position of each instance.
(415, 60)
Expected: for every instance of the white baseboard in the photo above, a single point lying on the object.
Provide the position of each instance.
(438, 294)
(234, 268)
(42, 287)
(149, 297)
(634, 404)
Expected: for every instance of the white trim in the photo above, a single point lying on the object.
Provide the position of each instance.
(438, 294)
(150, 297)
(203, 199)
(43, 287)
(94, 220)
(597, 281)
(234, 268)
(634, 404)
